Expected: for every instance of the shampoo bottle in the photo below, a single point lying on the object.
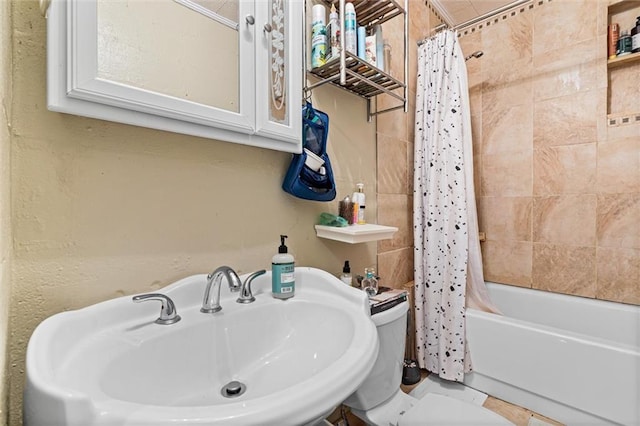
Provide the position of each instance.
(283, 282)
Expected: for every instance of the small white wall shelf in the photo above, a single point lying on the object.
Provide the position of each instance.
(354, 234)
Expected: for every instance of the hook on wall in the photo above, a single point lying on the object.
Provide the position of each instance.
(306, 95)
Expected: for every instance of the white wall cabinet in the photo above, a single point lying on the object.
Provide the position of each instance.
(167, 66)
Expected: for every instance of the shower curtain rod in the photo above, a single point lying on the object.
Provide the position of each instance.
(473, 21)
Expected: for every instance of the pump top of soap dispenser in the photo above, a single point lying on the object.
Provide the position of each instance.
(283, 248)
(360, 187)
(346, 268)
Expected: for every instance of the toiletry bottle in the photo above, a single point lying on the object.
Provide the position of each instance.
(362, 40)
(283, 282)
(370, 282)
(377, 30)
(624, 43)
(355, 199)
(614, 35)
(318, 36)
(334, 39)
(350, 36)
(370, 50)
(361, 204)
(345, 209)
(346, 274)
(635, 37)
(354, 211)
(387, 57)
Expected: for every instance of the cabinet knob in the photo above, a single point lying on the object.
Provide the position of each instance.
(267, 28)
(250, 19)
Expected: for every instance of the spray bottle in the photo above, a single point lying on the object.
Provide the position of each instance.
(318, 36)
(334, 39)
(350, 31)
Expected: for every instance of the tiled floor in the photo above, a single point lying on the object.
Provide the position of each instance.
(515, 414)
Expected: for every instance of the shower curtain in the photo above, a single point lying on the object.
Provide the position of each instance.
(448, 264)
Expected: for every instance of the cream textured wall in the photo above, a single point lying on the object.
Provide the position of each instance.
(558, 189)
(5, 212)
(102, 210)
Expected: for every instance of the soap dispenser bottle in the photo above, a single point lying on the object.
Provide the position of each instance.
(283, 282)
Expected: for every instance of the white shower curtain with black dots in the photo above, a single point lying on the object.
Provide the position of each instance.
(447, 249)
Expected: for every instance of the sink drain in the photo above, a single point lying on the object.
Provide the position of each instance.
(233, 389)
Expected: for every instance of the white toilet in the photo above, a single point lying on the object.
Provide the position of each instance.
(379, 400)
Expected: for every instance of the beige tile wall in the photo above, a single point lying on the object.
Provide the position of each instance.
(395, 133)
(558, 191)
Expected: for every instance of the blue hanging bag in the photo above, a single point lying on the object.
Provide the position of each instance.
(310, 176)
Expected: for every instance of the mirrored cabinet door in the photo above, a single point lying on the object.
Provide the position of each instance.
(187, 66)
(278, 57)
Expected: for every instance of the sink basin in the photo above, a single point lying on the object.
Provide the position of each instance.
(295, 359)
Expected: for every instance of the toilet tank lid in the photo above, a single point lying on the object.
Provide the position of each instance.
(390, 315)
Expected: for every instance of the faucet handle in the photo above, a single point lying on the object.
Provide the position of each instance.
(168, 313)
(246, 296)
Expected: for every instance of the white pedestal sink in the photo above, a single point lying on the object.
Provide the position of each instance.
(110, 364)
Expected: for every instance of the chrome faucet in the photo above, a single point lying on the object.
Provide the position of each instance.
(168, 313)
(211, 301)
(246, 296)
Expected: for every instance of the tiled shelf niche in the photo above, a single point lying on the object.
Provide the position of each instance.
(623, 71)
(623, 60)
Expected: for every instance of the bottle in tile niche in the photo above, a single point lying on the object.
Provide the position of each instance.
(635, 37)
(283, 279)
(624, 44)
(613, 36)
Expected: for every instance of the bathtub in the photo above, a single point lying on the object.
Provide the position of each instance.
(573, 359)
